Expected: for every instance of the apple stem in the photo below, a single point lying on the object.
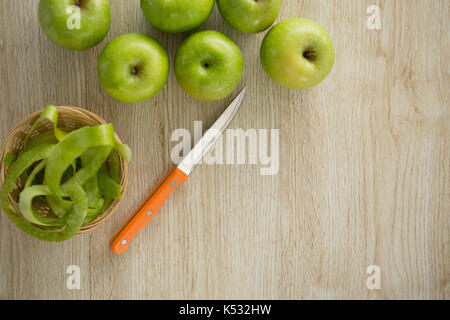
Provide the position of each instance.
(309, 55)
(79, 3)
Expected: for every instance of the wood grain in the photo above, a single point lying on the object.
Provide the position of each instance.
(364, 173)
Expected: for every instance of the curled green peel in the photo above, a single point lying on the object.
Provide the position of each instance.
(73, 224)
(26, 207)
(71, 147)
(34, 173)
(70, 172)
(10, 158)
(24, 160)
(50, 113)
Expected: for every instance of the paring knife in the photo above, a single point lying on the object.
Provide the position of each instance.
(175, 176)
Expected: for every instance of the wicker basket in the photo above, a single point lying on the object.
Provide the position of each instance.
(69, 119)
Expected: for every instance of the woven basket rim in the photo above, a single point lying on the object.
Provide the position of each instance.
(86, 116)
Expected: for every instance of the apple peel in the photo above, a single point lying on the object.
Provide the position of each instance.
(70, 171)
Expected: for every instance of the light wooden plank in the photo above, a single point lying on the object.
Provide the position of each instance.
(364, 167)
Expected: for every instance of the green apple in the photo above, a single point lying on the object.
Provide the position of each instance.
(75, 24)
(297, 53)
(133, 67)
(250, 16)
(177, 15)
(208, 65)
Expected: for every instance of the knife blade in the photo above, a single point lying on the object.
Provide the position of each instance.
(176, 176)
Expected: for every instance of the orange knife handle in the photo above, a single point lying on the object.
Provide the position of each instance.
(147, 210)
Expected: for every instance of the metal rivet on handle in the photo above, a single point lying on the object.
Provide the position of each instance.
(149, 212)
(173, 183)
(124, 242)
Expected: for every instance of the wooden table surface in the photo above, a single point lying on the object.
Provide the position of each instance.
(364, 176)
